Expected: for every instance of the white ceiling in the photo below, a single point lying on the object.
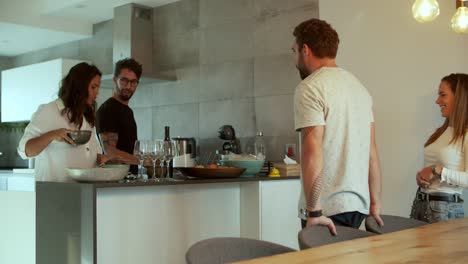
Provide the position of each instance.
(28, 25)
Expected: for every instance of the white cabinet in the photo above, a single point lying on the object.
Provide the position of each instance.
(25, 88)
(17, 218)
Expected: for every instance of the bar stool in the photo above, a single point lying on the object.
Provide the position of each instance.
(392, 223)
(315, 236)
(231, 249)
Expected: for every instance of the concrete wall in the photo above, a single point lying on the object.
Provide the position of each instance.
(401, 62)
(234, 66)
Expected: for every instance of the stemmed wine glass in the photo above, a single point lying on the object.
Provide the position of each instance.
(168, 152)
(155, 154)
(141, 151)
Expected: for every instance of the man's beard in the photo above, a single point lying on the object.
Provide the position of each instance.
(125, 94)
(303, 71)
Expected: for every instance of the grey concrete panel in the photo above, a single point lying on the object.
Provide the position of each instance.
(275, 75)
(275, 146)
(275, 115)
(179, 17)
(216, 12)
(182, 120)
(227, 80)
(172, 51)
(184, 90)
(144, 120)
(238, 112)
(143, 97)
(176, 35)
(266, 9)
(273, 34)
(227, 42)
(98, 49)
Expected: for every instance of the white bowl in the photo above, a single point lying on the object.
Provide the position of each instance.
(107, 173)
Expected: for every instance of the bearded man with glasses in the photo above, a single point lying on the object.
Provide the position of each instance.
(115, 121)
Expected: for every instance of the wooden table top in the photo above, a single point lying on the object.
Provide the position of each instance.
(444, 242)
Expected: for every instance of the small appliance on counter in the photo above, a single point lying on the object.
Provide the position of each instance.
(187, 148)
(228, 133)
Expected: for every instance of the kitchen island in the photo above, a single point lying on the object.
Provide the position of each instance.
(156, 222)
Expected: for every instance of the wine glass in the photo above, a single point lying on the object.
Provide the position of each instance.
(168, 152)
(140, 151)
(155, 154)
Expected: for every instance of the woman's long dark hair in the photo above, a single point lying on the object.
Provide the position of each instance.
(74, 93)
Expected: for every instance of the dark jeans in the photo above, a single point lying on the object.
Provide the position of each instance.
(349, 219)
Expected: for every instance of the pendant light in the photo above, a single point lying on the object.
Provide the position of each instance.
(459, 21)
(425, 10)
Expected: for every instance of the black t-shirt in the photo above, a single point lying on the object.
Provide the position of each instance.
(115, 117)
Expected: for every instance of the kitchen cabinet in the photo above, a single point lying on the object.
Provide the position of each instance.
(25, 88)
(18, 218)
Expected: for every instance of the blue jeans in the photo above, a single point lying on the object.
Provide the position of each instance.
(436, 211)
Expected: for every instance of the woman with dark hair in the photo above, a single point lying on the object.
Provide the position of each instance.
(46, 137)
(442, 181)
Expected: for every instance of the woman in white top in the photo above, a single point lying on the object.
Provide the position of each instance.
(46, 139)
(442, 181)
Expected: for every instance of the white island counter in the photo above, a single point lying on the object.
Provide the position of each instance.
(148, 222)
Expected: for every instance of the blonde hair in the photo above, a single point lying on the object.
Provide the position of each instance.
(458, 83)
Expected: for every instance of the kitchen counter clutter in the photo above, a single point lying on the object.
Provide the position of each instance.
(148, 222)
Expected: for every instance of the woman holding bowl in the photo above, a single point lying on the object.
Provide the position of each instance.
(47, 136)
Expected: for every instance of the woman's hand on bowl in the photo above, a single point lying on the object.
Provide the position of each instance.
(61, 135)
(102, 159)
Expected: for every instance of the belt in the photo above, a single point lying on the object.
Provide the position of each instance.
(451, 198)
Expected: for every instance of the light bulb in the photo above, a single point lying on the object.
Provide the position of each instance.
(425, 10)
(460, 20)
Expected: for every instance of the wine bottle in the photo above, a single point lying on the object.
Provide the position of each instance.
(166, 134)
(170, 165)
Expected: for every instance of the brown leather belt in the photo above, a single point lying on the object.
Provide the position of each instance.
(451, 198)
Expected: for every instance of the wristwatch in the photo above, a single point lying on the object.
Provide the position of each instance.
(311, 214)
(435, 172)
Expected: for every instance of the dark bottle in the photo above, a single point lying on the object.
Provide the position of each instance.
(166, 134)
(170, 165)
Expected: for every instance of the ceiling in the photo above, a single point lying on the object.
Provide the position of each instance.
(29, 25)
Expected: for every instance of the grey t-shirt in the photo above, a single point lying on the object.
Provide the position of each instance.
(336, 99)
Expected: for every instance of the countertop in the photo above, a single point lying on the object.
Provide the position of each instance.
(178, 181)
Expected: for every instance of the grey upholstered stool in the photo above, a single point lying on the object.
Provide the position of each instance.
(391, 224)
(320, 235)
(230, 249)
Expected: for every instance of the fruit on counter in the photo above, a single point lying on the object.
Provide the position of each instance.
(274, 173)
(212, 166)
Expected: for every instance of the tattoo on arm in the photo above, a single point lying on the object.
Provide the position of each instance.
(313, 195)
(108, 139)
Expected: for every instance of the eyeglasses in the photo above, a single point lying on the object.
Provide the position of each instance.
(124, 81)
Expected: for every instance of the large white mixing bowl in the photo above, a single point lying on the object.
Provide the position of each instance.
(107, 173)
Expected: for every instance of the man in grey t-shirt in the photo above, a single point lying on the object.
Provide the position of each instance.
(333, 112)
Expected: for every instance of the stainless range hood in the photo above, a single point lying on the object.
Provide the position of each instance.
(133, 38)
